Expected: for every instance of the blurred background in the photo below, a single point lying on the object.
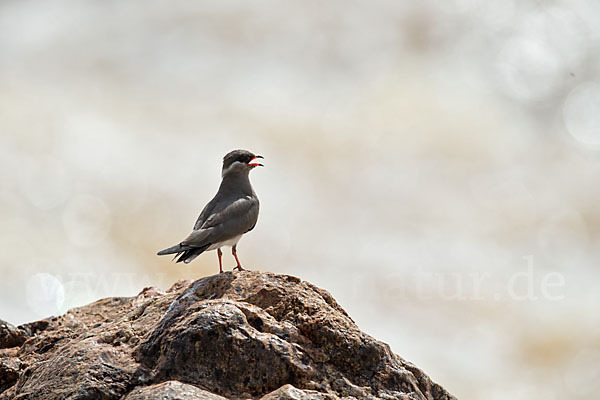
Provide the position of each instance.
(433, 164)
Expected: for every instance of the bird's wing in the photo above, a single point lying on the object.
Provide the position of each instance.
(206, 212)
(236, 219)
(243, 211)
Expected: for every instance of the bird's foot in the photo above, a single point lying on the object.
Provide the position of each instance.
(239, 268)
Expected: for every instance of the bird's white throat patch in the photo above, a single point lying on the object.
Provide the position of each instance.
(234, 165)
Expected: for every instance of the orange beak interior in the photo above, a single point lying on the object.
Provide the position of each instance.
(254, 164)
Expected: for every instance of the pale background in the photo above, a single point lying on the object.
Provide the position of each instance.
(433, 164)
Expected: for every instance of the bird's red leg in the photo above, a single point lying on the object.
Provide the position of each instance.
(239, 266)
(220, 253)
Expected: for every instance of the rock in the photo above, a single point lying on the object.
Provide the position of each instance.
(172, 390)
(11, 336)
(9, 371)
(289, 392)
(234, 335)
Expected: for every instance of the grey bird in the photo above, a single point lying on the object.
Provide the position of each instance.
(229, 215)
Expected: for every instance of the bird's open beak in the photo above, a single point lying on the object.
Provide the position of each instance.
(253, 164)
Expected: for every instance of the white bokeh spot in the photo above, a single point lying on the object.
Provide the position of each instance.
(44, 182)
(581, 113)
(529, 68)
(45, 294)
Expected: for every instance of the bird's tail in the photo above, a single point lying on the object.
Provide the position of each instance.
(184, 253)
(178, 248)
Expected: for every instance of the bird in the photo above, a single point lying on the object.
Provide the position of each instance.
(231, 213)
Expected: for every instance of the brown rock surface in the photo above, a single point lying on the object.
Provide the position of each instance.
(172, 390)
(233, 335)
(11, 336)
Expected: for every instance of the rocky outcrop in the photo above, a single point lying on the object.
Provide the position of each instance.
(233, 335)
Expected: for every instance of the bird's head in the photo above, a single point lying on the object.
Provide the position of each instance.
(239, 161)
